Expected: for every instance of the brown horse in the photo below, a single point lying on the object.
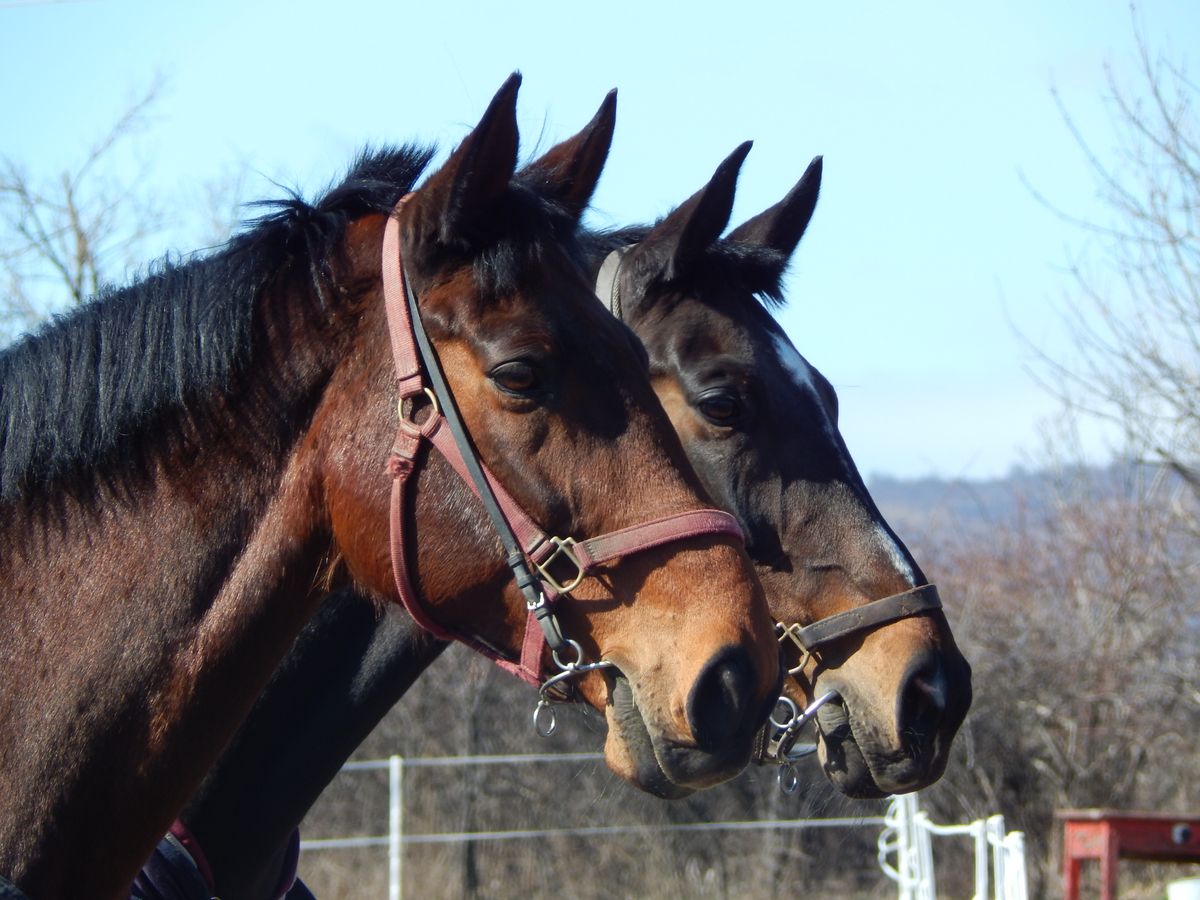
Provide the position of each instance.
(759, 424)
(191, 463)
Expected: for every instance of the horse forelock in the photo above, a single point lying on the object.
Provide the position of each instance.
(87, 390)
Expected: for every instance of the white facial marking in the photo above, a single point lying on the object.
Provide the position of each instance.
(797, 366)
(801, 372)
(888, 543)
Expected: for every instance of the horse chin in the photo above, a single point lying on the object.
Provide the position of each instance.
(842, 759)
(857, 766)
(630, 750)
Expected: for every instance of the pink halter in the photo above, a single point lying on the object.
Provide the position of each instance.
(537, 549)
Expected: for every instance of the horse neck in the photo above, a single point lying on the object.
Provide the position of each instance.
(127, 672)
(349, 666)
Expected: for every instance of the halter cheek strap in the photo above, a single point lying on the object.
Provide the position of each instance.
(529, 552)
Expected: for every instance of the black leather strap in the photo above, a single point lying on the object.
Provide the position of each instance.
(527, 581)
(879, 612)
(170, 874)
(299, 891)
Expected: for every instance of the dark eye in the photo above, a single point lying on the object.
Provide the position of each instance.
(720, 408)
(517, 377)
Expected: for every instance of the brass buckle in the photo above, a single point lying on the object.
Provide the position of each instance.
(563, 547)
(792, 633)
(406, 419)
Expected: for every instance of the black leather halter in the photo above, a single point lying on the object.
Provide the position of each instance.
(815, 635)
(776, 741)
(778, 745)
(862, 618)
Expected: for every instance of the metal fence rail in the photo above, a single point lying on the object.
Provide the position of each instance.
(906, 834)
(395, 840)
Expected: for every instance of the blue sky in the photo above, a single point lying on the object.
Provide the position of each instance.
(927, 254)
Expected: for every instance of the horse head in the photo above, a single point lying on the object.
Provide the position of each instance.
(557, 401)
(760, 426)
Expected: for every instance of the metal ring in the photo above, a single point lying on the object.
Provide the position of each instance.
(541, 724)
(789, 781)
(791, 709)
(568, 667)
(433, 402)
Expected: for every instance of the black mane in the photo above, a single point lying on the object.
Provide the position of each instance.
(757, 270)
(79, 392)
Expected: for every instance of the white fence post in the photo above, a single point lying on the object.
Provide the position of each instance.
(1016, 883)
(922, 841)
(908, 833)
(395, 825)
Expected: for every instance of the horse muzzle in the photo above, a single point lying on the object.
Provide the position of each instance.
(723, 715)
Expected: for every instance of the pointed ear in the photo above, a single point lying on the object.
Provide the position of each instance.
(569, 171)
(480, 168)
(698, 222)
(781, 227)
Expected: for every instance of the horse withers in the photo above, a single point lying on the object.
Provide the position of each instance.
(192, 462)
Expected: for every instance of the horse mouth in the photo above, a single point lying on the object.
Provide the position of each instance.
(626, 722)
(841, 754)
(861, 766)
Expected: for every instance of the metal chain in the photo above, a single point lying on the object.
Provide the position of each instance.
(556, 689)
(781, 746)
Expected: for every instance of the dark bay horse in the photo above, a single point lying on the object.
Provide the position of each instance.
(760, 426)
(191, 463)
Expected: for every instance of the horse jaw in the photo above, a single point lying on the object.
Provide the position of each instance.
(842, 760)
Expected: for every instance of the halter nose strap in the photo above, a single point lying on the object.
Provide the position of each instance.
(878, 612)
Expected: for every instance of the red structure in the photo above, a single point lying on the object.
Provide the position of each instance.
(1110, 835)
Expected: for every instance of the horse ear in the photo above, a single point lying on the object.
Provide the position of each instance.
(480, 168)
(781, 227)
(570, 171)
(698, 222)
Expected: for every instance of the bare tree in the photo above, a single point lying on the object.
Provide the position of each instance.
(71, 229)
(1078, 616)
(65, 235)
(1134, 311)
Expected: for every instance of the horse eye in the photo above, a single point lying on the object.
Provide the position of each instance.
(720, 408)
(516, 377)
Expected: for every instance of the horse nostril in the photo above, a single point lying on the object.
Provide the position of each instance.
(922, 700)
(721, 698)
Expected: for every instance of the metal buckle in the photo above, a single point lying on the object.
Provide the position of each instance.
(792, 633)
(406, 418)
(563, 547)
